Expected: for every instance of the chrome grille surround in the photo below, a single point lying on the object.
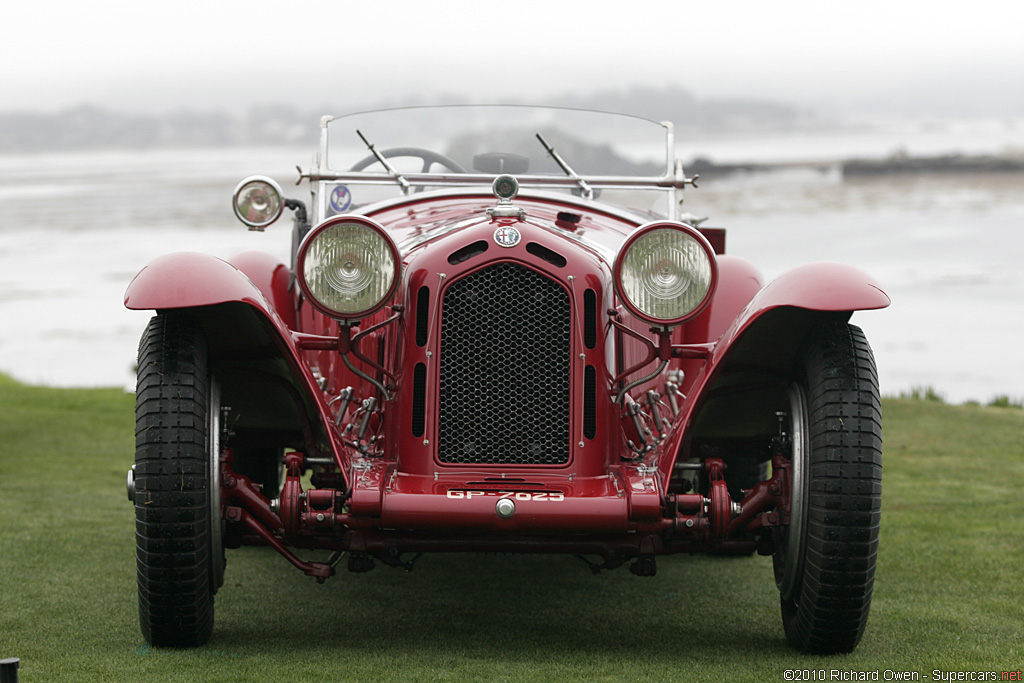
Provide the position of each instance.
(505, 369)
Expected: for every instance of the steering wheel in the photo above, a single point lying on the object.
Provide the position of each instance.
(429, 159)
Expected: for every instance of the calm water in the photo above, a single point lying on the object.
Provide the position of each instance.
(75, 228)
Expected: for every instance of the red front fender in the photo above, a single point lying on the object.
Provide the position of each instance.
(247, 329)
(813, 288)
(763, 341)
(821, 287)
(189, 280)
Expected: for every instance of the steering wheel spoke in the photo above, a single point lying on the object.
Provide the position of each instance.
(429, 158)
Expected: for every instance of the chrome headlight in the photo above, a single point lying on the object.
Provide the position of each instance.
(665, 272)
(348, 267)
(257, 202)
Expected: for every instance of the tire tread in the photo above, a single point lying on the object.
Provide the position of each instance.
(172, 481)
(829, 613)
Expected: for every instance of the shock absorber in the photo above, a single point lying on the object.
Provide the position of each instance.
(291, 493)
(721, 508)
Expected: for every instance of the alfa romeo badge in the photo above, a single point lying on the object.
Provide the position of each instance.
(507, 236)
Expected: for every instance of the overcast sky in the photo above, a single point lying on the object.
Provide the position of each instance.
(141, 55)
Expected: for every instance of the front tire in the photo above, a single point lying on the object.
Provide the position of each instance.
(179, 551)
(825, 558)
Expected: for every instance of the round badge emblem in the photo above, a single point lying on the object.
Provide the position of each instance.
(507, 236)
(341, 198)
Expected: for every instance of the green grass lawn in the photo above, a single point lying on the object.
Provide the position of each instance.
(949, 591)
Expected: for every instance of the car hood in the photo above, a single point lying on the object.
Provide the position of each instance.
(416, 222)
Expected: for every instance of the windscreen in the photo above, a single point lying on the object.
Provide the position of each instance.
(492, 139)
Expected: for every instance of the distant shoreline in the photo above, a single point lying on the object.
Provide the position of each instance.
(948, 163)
(896, 164)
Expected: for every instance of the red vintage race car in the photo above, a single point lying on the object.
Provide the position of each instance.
(498, 333)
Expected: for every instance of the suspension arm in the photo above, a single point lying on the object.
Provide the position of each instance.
(319, 570)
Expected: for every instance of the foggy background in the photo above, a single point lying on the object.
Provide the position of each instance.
(907, 58)
(124, 127)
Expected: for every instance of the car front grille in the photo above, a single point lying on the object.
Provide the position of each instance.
(505, 369)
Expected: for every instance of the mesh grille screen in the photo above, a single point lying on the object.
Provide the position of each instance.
(505, 369)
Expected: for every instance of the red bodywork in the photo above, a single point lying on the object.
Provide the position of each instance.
(633, 485)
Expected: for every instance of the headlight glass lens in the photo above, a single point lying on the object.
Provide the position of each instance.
(666, 274)
(257, 202)
(349, 268)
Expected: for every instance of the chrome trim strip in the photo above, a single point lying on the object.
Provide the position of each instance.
(669, 181)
